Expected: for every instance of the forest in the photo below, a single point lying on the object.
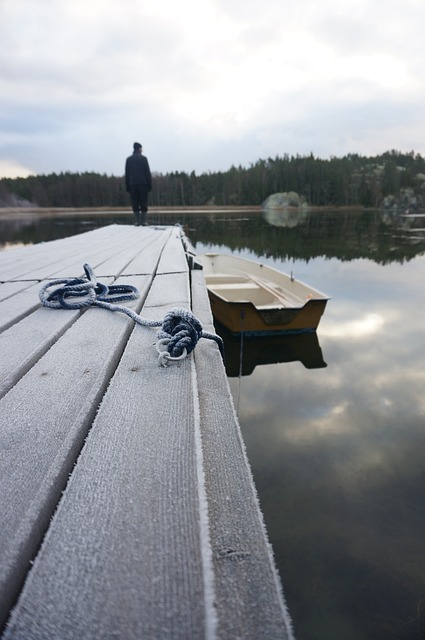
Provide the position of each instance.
(392, 179)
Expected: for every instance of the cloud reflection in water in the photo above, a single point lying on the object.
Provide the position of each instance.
(338, 457)
(369, 324)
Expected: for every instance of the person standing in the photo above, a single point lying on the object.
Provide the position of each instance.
(138, 182)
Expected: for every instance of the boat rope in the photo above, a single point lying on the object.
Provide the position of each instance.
(180, 329)
(241, 354)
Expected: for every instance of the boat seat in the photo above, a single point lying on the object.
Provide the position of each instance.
(213, 279)
(277, 305)
(232, 285)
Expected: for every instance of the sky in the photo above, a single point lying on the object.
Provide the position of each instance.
(206, 84)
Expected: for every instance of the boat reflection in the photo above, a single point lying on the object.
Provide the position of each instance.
(244, 354)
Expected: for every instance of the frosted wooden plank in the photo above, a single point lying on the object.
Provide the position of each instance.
(150, 245)
(19, 256)
(174, 257)
(122, 557)
(109, 258)
(117, 261)
(9, 289)
(20, 305)
(140, 254)
(47, 254)
(64, 258)
(15, 254)
(43, 422)
(60, 263)
(25, 342)
(138, 262)
(249, 599)
(44, 262)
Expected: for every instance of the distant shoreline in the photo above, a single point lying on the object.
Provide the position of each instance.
(120, 211)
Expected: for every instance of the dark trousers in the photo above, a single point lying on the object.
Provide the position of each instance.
(139, 201)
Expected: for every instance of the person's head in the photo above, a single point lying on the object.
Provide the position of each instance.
(137, 147)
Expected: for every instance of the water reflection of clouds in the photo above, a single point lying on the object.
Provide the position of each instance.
(338, 453)
(371, 382)
(359, 328)
(342, 452)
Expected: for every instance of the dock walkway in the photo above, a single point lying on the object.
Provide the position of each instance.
(127, 506)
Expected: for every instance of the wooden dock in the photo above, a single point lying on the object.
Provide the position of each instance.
(127, 505)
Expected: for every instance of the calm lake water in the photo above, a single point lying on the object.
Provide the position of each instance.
(334, 427)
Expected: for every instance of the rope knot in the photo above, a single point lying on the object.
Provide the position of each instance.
(182, 330)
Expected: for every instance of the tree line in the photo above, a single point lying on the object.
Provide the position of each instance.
(351, 180)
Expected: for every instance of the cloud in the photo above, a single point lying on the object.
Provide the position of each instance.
(206, 85)
(11, 169)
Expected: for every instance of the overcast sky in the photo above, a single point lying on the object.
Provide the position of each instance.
(206, 84)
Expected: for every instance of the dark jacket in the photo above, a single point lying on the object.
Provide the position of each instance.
(137, 171)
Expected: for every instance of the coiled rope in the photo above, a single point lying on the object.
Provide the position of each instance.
(180, 329)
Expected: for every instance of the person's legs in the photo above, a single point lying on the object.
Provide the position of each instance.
(143, 194)
(134, 195)
(139, 202)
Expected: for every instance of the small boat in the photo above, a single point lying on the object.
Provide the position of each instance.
(251, 298)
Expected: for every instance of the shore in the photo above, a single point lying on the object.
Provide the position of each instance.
(46, 212)
(24, 212)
